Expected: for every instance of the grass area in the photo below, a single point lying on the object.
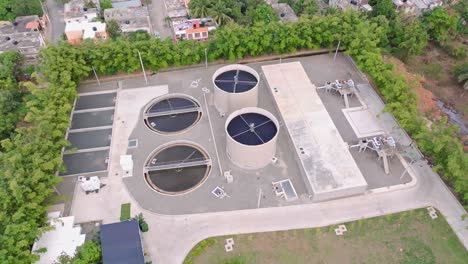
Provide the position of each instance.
(410, 238)
(125, 211)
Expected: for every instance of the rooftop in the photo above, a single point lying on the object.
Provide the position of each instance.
(77, 8)
(356, 4)
(284, 12)
(175, 8)
(121, 243)
(328, 165)
(23, 34)
(126, 3)
(88, 27)
(185, 24)
(130, 19)
(64, 237)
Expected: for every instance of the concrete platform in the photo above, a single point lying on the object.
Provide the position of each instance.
(363, 122)
(327, 165)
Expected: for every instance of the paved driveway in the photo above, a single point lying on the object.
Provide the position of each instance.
(157, 12)
(56, 25)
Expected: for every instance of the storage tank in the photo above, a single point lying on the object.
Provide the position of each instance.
(235, 87)
(251, 135)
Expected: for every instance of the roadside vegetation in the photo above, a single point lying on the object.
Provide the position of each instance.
(243, 12)
(31, 154)
(10, 9)
(407, 238)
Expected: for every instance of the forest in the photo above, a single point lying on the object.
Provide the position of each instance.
(10, 9)
(30, 154)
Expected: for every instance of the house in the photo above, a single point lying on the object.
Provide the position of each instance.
(176, 9)
(121, 243)
(285, 12)
(130, 19)
(78, 31)
(81, 10)
(23, 35)
(416, 7)
(362, 5)
(64, 237)
(196, 29)
(126, 3)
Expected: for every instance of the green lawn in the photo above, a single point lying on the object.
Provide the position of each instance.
(410, 237)
(125, 211)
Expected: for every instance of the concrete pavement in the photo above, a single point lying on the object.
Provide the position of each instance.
(157, 11)
(56, 26)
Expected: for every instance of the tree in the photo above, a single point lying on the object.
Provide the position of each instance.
(10, 9)
(440, 24)
(113, 28)
(106, 4)
(383, 8)
(302, 7)
(220, 12)
(461, 72)
(199, 8)
(89, 252)
(262, 13)
(409, 37)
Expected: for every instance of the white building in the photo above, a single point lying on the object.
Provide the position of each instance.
(65, 237)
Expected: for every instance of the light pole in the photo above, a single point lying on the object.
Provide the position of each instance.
(142, 67)
(95, 75)
(336, 52)
(206, 58)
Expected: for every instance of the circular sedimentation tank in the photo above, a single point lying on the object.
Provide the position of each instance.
(236, 87)
(251, 137)
(177, 168)
(173, 113)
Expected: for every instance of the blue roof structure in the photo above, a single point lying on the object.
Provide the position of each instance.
(121, 243)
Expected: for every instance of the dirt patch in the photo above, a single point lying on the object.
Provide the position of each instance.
(426, 99)
(435, 67)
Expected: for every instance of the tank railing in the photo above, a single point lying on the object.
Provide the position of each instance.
(179, 164)
(184, 110)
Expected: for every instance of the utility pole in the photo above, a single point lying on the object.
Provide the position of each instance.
(142, 67)
(336, 52)
(95, 75)
(206, 58)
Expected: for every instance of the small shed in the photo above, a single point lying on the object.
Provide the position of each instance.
(121, 243)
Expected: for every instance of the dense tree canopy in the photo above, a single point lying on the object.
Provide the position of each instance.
(302, 7)
(10, 9)
(223, 11)
(408, 37)
(440, 24)
(383, 8)
(10, 95)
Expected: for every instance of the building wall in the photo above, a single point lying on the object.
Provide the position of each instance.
(74, 37)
